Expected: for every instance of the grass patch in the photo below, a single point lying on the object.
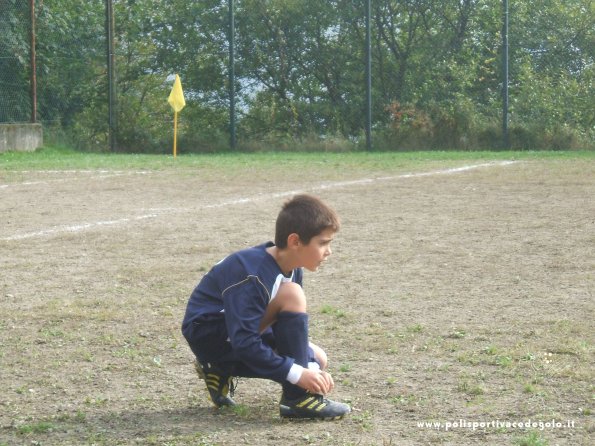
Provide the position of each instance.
(470, 389)
(457, 334)
(329, 309)
(240, 410)
(344, 368)
(67, 159)
(405, 400)
(364, 420)
(36, 428)
(531, 439)
(416, 328)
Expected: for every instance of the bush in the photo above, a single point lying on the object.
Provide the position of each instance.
(307, 143)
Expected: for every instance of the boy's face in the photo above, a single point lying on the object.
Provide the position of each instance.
(314, 253)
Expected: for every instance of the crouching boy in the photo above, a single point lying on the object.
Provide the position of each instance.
(247, 316)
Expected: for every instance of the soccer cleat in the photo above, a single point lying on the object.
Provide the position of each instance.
(220, 387)
(312, 406)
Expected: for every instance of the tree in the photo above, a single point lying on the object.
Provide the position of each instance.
(300, 71)
(555, 46)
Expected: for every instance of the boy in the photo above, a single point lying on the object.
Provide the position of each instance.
(247, 316)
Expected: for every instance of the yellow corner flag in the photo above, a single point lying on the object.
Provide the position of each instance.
(177, 102)
(176, 97)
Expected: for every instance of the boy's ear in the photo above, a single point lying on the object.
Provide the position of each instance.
(293, 240)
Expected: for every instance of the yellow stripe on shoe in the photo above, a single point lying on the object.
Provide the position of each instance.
(306, 401)
(317, 405)
(218, 386)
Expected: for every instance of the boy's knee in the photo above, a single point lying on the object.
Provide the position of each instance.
(291, 297)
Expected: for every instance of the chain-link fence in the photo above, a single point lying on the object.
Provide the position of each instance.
(55, 69)
(299, 66)
(52, 66)
(15, 61)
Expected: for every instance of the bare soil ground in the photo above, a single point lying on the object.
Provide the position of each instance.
(456, 304)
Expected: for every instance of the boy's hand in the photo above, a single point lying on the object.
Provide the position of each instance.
(316, 381)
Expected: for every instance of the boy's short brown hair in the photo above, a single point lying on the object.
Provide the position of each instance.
(305, 215)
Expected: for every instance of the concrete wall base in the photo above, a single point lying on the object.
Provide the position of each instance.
(20, 137)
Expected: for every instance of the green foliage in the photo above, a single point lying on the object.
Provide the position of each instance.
(436, 69)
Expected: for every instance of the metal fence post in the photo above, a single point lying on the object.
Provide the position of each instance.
(505, 136)
(111, 73)
(33, 61)
(232, 78)
(368, 79)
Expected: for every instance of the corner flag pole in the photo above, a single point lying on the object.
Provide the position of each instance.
(175, 133)
(177, 102)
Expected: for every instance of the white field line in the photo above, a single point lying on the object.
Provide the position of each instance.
(100, 174)
(78, 228)
(155, 213)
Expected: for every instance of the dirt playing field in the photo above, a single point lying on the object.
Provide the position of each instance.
(457, 307)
